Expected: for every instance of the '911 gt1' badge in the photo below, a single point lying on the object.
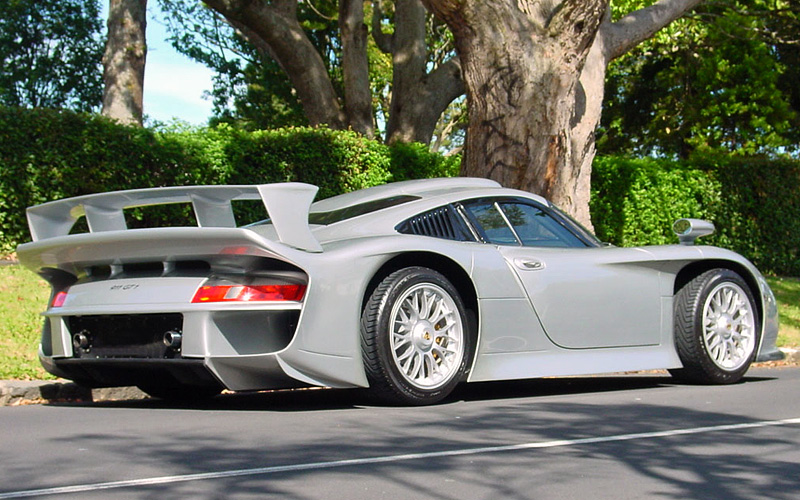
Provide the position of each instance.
(131, 286)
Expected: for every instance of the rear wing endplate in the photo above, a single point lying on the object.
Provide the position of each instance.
(287, 205)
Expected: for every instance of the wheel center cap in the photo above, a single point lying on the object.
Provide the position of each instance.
(724, 326)
(423, 335)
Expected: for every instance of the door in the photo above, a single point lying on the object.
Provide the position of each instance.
(586, 296)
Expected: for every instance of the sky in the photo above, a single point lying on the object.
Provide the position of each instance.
(173, 83)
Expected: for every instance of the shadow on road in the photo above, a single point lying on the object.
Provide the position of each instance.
(681, 466)
(321, 399)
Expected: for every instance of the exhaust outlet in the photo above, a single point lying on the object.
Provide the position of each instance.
(81, 341)
(172, 339)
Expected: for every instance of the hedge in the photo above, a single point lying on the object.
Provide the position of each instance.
(46, 155)
(754, 203)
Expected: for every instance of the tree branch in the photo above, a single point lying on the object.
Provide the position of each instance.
(638, 26)
(446, 84)
(384, 41)
(277, 26)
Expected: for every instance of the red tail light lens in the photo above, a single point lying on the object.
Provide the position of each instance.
(59, 299)
(248, 293)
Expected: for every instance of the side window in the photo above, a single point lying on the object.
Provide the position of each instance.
(536, 228)
(506, 222)
(492, 222)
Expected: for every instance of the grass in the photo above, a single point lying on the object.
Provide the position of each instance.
(787, 291)
(23, 296)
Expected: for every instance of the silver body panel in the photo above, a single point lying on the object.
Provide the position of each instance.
(540, 311)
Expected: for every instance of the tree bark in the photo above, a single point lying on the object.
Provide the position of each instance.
(534, 73)
(124, 61)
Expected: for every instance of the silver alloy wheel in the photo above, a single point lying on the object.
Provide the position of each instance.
(729, 331)
(427, 336)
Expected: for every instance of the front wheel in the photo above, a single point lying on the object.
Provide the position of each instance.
(716, 328)
(415, 337)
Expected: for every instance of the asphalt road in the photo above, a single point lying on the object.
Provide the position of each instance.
(607, 437)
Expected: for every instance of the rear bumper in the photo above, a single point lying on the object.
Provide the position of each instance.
(236, 348)
(136, 372)
(239, 348)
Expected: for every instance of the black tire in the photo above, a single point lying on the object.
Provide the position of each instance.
(423, 360)
(183, 393)
(717, 328)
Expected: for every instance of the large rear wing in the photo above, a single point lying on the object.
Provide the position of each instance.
(287, 205)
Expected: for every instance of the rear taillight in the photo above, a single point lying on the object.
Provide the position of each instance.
(59, 299)
(249, 293)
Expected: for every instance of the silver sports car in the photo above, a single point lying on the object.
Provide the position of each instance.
(408, 289)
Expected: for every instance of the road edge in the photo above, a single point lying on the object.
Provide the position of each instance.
(28, 392)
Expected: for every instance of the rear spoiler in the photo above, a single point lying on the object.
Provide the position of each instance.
(287, 205)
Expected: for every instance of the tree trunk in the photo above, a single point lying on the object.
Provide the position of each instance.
(418, 98)
(419, 95)
(124, 61)
(355, 67)
(522, 62)
(534, 73)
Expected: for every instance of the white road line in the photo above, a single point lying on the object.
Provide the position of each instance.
(84, 488)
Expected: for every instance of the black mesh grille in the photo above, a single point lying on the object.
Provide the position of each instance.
(125, 336)
(438, 223)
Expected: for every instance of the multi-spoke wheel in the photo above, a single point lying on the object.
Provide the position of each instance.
(716, 328)
(415, 337)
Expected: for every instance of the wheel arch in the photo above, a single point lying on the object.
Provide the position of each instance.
(449, 268)
(694, 269)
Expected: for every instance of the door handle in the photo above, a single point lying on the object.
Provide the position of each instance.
(529, 264)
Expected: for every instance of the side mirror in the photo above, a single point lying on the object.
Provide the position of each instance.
(689, 230)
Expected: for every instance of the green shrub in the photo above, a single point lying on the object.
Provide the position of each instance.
(336, 162)
(47, 155)
(761, 214)
(754, 203)
(635, 201)
(413, 161)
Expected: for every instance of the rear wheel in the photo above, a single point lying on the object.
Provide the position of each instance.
(415, 337)
(716, 328)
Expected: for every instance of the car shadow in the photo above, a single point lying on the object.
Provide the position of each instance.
(316, 399)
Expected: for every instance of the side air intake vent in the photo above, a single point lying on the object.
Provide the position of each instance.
(439, 223)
